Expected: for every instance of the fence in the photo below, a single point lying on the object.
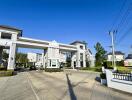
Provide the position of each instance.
(123, 76)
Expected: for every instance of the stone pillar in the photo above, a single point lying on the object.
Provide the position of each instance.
(1, 50)
(11, 59)
(84, 60)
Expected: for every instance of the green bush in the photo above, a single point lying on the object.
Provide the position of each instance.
(118, 63)
(96, 69)
(53, 70)
(103, 76)
(2, 68)
(7, 73)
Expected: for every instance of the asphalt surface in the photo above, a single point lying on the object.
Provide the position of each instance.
(68, 85)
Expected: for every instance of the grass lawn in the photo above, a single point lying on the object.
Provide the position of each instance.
(124, 69)
(99, 69)
(95, 69)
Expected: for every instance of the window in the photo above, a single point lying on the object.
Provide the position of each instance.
(81, 47)
(81, 56)
(6, 36)
(53, 62)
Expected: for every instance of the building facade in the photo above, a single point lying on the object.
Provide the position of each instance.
(119, 56)
(35, 59)
(12, 39)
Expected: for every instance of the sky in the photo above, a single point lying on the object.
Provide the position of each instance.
(65, 20)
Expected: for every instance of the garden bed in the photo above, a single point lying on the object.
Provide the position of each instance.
(53, 69)
(7, 73)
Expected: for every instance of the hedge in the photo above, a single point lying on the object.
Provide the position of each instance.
(96, 69)
(7, 73)
(53, 70)
(103, 76)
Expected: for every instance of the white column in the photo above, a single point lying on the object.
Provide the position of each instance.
(84, 60)
(44, 58)
(43, 63)
(1, 50)
(0, 35)
(78, 59)
(11, 59)
(14, 37)
(72, 60)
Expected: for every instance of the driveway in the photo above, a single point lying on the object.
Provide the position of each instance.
(68, 85)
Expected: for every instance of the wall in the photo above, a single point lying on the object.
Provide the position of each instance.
(118, 84)
(117, 57)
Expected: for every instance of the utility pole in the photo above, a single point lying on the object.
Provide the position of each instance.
(113, 49)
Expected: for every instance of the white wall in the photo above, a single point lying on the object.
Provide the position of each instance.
(117, 57)
(118, 84)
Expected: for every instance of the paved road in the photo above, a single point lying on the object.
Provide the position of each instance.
(69, 85)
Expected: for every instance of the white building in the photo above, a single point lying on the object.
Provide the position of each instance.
(119, 56)
(128, 60)
(35, 58)
(90, 58)
(12, 39)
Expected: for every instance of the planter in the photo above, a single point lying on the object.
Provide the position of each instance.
(103, 81)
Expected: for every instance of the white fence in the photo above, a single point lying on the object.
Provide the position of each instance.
(121, 82)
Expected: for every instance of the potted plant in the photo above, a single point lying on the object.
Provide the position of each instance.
(103, 78)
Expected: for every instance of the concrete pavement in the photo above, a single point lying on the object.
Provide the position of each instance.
(69, 85)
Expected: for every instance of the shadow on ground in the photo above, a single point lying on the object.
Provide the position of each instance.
(97, 79)
(70, 88)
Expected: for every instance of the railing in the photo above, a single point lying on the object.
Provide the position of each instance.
(123, 76)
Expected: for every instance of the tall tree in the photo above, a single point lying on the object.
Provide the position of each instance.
(100, 54)
(21, 58)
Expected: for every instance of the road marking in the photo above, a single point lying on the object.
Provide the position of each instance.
(31, 85)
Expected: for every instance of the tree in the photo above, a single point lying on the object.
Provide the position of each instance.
(5, 55)
(100, 54)
(21, 58)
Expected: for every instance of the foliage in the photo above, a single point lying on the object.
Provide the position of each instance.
(100, 54)
(21, 58)
(53, 70)
(5, 55)
(123, 69)
(118, 63)
(6, 73)
(2, 68)
(96, 69)
(103, 76)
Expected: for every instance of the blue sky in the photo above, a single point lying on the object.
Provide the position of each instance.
(65, 20)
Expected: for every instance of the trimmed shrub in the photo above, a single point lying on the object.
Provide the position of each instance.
(7, 73)
(53, 70)
(96, 69)
(118, 63)
(103, 76)
(2, 68)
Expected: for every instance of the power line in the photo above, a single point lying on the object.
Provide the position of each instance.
(118, 15)
(123, 20)
(124, 35)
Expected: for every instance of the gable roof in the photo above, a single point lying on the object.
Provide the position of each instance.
(116, 53)
(129, 56)
(82, 42)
